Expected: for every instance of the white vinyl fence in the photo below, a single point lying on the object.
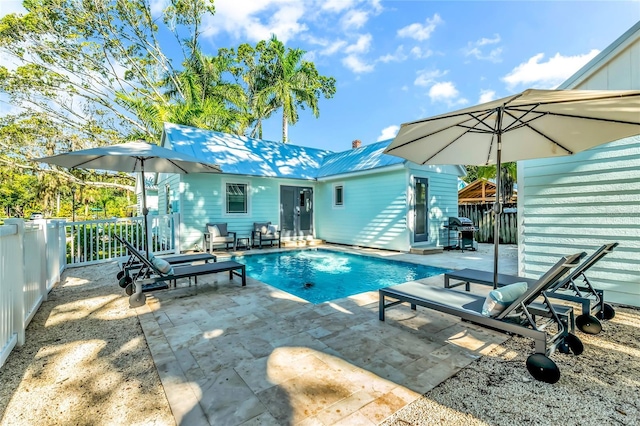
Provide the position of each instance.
(32, 257)
(34, 254)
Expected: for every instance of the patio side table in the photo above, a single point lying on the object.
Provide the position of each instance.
(243, 243)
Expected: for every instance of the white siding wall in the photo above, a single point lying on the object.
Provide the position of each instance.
(373, 215)
(202, 200)
(577, 203)
(378, 208)
(443, 198)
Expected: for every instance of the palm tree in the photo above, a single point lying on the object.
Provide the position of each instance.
(195, 96)
(508, 177)
(285, 80)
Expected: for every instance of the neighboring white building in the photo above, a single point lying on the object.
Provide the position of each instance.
(579, 202)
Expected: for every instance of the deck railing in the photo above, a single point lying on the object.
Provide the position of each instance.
(93, 241)
(34, 254)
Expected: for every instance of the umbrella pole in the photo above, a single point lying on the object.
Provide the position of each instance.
(497, 207)
(145, 212)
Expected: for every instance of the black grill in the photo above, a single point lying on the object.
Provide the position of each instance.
(460, 233)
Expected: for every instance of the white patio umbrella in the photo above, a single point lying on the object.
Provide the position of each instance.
(531, 124)
(132, 157)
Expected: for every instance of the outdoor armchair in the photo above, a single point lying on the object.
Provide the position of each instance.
(217, 234)
(264, 232)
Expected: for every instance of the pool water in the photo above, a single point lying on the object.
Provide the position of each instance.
(318, 275)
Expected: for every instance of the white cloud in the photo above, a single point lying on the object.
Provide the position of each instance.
(486, 96)
(257, 19)
(421, 32)
(418, 53)
(337, 5)
(397, 56)
(428, 77)
(388, 132)
(475, 49)
(356, 64)
(484, 41)
(446, 92)
(157, 6)
(443, 91)
(361, 46)
(549, 74)
(354, 19)
(333, 47)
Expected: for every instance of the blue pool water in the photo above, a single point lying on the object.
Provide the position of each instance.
(318, 275)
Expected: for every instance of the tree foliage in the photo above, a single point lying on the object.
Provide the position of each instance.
(283, 79)
(92, 73)
(508, 178)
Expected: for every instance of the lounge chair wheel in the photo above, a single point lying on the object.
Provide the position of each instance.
(120, 275)
(543, 369)
(137, 299)
(573, 344)
(607, 312)
(125, 281)
(129, 289)
(588, 324)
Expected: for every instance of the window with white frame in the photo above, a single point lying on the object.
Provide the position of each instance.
(236, 198)
(338, 195)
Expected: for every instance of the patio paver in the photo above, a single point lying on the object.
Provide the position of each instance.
(252, 355)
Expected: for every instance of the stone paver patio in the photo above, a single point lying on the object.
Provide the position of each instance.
(255, 355)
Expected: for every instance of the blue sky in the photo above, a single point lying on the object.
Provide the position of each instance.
(398, 61)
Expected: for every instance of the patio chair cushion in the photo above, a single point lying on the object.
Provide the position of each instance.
(162, 265)
(217, 230)
(497, 300)
(262, 227)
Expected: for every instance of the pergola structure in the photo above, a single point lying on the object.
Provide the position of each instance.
(480, 191)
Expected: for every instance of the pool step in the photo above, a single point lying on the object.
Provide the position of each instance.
(302, 243)
(425, 250)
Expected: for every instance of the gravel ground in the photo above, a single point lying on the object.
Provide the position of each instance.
(86, 362)
(598, 387)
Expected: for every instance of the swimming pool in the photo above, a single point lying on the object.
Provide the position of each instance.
(318, 275)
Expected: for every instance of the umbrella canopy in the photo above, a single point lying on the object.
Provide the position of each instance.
(131, 157)
(531, 124)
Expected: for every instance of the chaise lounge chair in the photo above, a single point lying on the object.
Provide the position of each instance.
(133, 268)
(522, 316)
(157, 279)
(591, 299)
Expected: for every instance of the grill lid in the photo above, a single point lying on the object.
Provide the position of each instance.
(460, 222)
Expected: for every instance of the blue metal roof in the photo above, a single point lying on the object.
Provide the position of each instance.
(367, 157)
(254, 157)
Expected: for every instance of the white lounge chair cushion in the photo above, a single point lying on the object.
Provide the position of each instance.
(162, 265)
(498, 299)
